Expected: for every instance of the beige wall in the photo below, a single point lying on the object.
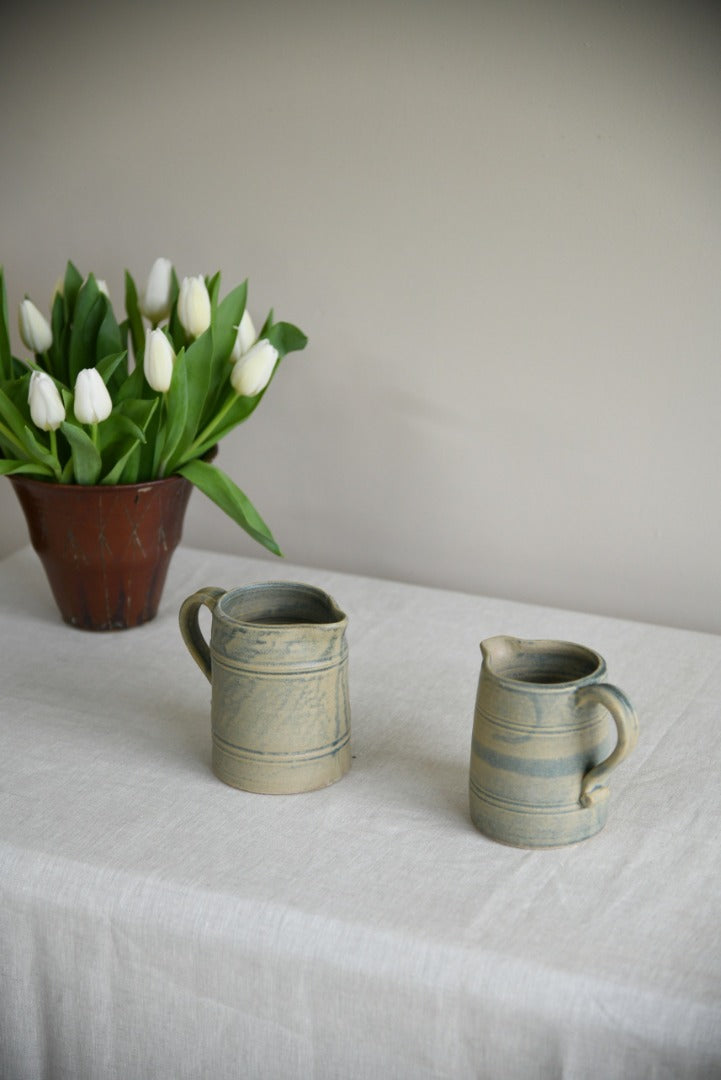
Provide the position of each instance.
(499, 223)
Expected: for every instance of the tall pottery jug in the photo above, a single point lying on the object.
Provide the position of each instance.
(278, 668)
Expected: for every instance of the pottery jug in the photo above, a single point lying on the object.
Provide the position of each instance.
(278, 668)
(542, 747)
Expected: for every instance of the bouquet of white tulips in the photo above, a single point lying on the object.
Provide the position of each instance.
(78, 411)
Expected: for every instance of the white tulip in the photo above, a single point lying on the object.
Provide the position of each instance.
(252, 372)
(46, 405)
(92, 400)
(102, 287)
(34, 328)
(194, 306)
(156, 299)
(244, 338)
(158, 360)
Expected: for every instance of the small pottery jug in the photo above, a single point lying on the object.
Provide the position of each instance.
(542, 750)
(278, 669)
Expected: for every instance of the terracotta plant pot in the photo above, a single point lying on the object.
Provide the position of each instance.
(105, 549)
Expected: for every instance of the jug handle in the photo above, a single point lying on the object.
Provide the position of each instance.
(190, 627)
(593, 785)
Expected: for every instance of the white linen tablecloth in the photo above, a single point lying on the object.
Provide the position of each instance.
(155, 923)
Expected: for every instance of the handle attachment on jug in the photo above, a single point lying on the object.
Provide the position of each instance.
(593, 785)
(190, 627)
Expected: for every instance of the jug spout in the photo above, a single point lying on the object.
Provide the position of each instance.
(500, 651)
(334, 612)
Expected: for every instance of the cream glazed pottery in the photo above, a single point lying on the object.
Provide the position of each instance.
(542, 747)
(278, 668)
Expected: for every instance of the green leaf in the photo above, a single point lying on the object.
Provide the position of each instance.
(109, 339)
(198, 359)
(40, 452)
(71, 287)
(225, 329)
(10, 447)
(87, 464)
(121, 457)
(227, 320)
(89, 313)
(227, 495)
(135, 386)
(286, 338)
(130, 474)
(146, 412)
(148, 451)
(12, 415)
(57, 354)
(123, 328)
(27, 468)
(133, 416)
(115, 476)
(175, 329)
(139, 410)
(117, 438)
(213, 286)
(177, 410)
(17, 391)
(115, 430)
(6, 359)
(135, 320)
(240, 409)
(107, 366)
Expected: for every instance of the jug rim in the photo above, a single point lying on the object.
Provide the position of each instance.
(289, 589)
(521, 660)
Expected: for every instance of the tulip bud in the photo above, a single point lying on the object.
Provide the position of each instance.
(158, 360)
(156, 300)
(92, 400)
(46, 406)
(102, 287)
(34, 328)
(245, 337)
(194, 306)
(252, 372)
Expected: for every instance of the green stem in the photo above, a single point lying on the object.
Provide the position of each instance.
(207, 431)
(54, 452)
(160, 467)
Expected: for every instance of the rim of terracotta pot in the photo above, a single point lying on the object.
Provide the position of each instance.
(47, 482)
(97, 487)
